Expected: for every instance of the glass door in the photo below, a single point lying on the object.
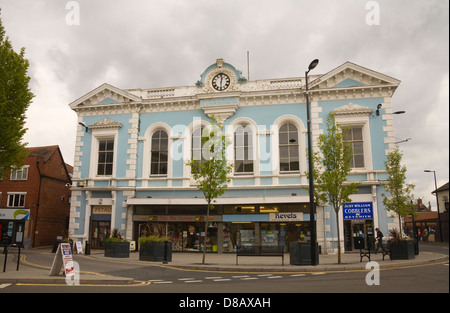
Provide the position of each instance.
(99, 232)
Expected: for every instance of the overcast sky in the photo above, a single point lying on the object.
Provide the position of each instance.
(152, 44)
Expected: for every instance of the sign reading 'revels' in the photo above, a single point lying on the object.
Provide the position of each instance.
(358, 210)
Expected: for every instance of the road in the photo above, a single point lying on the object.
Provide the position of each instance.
(428, 278)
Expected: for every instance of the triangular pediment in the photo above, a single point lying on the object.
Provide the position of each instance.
(353, 109)
(105, 123)
(350, 75)
(104, 95)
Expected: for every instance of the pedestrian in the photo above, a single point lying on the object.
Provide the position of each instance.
(379, 238)
(425, 235)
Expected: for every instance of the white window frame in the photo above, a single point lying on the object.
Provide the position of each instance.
(276, 145)
(97, 135)
(147, 157)
(23, 170)
(359, 120)
(230, 130)
(15, 194)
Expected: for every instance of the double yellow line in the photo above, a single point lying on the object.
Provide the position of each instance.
(25, 261)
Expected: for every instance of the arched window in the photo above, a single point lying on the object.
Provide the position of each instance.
(243, 149)
(288, 144)
(159, 153)
(197, 144)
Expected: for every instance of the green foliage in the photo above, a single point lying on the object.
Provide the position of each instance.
(331, 170)
(212, 172)
(331, 167)
(15, 97)
(400, 195)
(146, 239)
(115, 236)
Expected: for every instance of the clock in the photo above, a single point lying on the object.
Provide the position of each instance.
(220, 82)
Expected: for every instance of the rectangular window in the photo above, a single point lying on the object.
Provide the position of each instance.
(16, 200)
(354, 137)
(105, 157)
(19, 174)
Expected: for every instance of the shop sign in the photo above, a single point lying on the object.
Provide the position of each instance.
(15, 214)
(101, 209)
(358, 210)
(285, 217)
(177, 218)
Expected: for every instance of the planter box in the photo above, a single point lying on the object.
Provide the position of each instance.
(117, 249)
(154, 251)
(300, 253)
(403, 250)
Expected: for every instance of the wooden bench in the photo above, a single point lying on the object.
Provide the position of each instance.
(260, 251)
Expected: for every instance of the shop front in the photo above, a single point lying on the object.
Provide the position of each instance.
(229, 226)
(186, 232)
(100, 225)
(358, 225)
(12, 225)
(265, 229)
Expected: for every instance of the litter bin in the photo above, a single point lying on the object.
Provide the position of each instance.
(358, 243)
(300, 253)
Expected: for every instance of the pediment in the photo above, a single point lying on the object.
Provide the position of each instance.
(353, 109)
(350, 75)
(104, 95)
(105, 123)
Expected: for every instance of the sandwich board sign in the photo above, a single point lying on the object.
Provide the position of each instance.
(63, 258)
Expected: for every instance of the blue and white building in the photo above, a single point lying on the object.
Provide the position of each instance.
(132, 146)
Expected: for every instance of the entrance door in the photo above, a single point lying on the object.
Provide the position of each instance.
(348, 235)
(99, 232)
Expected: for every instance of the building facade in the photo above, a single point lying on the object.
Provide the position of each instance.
(132, 146)
(35, 199)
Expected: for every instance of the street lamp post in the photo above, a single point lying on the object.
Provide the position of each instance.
(437, 202)
(312, 220)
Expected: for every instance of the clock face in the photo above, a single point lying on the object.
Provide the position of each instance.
(220, 82)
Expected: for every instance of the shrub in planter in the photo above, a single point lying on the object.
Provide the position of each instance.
(116, 246)
(401, 248)
(152, 248)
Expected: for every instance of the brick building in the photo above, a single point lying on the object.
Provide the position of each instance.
(35, 199)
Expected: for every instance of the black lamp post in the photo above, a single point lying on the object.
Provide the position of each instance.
(312, 220)
(437, 202)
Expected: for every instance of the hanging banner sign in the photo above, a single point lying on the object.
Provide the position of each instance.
(62, 258)
(358, 210)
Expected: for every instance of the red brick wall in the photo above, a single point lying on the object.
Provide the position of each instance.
(54, 206)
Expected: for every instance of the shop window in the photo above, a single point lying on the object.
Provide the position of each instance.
(105, 157)
(289, 151)
(159, 153)
(354, 137)
(243, 150)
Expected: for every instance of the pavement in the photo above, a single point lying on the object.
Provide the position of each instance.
(35, 265)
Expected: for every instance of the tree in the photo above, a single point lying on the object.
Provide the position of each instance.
(15, 97)
(331, 170)
(401, 197)
(211, 172)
